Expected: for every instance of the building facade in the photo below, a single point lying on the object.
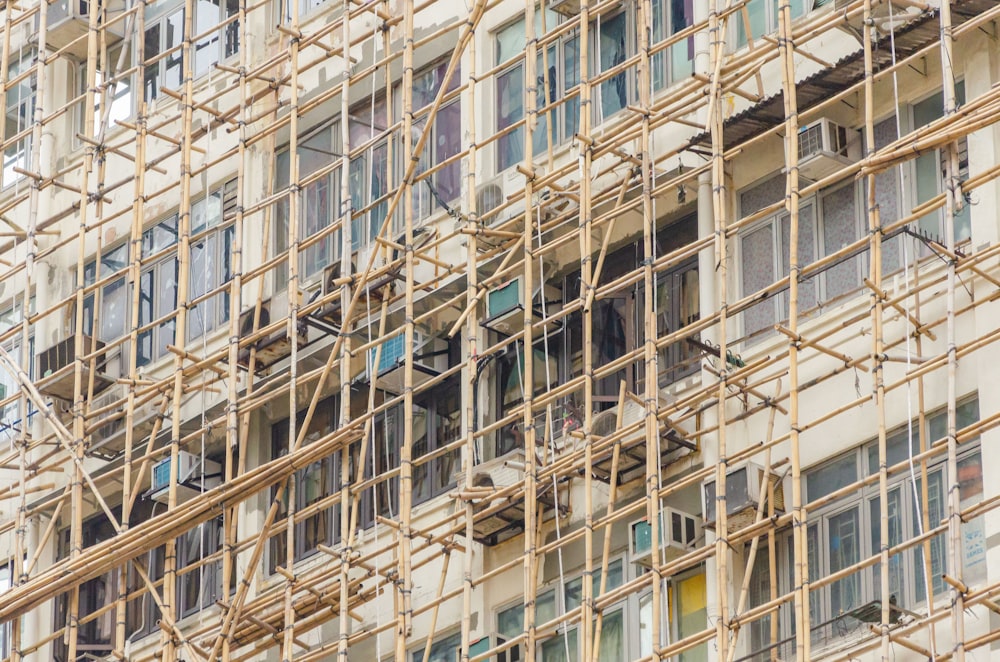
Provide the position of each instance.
(397, 330)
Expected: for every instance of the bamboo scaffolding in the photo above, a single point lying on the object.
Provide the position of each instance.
(574, 208)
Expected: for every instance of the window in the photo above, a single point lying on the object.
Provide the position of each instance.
(113, 97)
(762, 17)
(211, 258)
(443, 649)
(557, 72)
(613, 45)
(827, 222)
(677, 62)
(313, 483)
(626, 630)
(322, 148)
(19, 111)
(848, 530)
(141, 612)
(319, 201)
(445, 141)
(511, 386)
(929, 169)
(199, 587)
(676, 307)
(210, 268)
(369, 174)
(305, 6)
(158, 291)
(164, 36)
(95, 633)
(111, 299)
(11, 419)
(441, 412)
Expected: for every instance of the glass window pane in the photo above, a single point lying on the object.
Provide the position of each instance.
(560, 648)
(612, 45)
(207, 16)
(832, 476)
(845, 550)
(612, 646)
(510, 109)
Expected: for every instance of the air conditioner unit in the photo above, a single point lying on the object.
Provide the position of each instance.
(69, 20)
(565, 7)
(505, 306)
(825, 147)
(500, 472)
(743, 493)
(496, 193)
(55, 368)
(606, 422)
(192, 476)
(679, 532)
(389, 375)
(107, 440)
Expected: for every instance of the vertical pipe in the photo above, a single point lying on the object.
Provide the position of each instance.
(470, 344)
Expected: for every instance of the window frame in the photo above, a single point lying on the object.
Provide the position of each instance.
(562, 88)
(163, 20)
(157, 256)
(819, 284)
(932, 223)
(328, 471)
(21, 106)
(207, 578)
(819, 539)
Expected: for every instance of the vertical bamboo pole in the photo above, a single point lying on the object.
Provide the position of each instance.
(650, 367)
(294, 201)
(875, 274)
(76, 528)
(288, 629)
(230, 516)
(39, 170)
(587, 285)
(346, 529)
(403, 626)
(953, 192)
(180, 330)
(800, 538)
(720, 205)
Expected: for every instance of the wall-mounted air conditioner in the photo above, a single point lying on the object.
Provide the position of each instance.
(107, 440)
(68, 20)
(495, 193)
(505, 305)
(825, 147)
(193, 476)
(744, 490)
(55, 367)
(389, 376)
(606, 422)
(500, 472)
(565, 7)
(679, 532)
